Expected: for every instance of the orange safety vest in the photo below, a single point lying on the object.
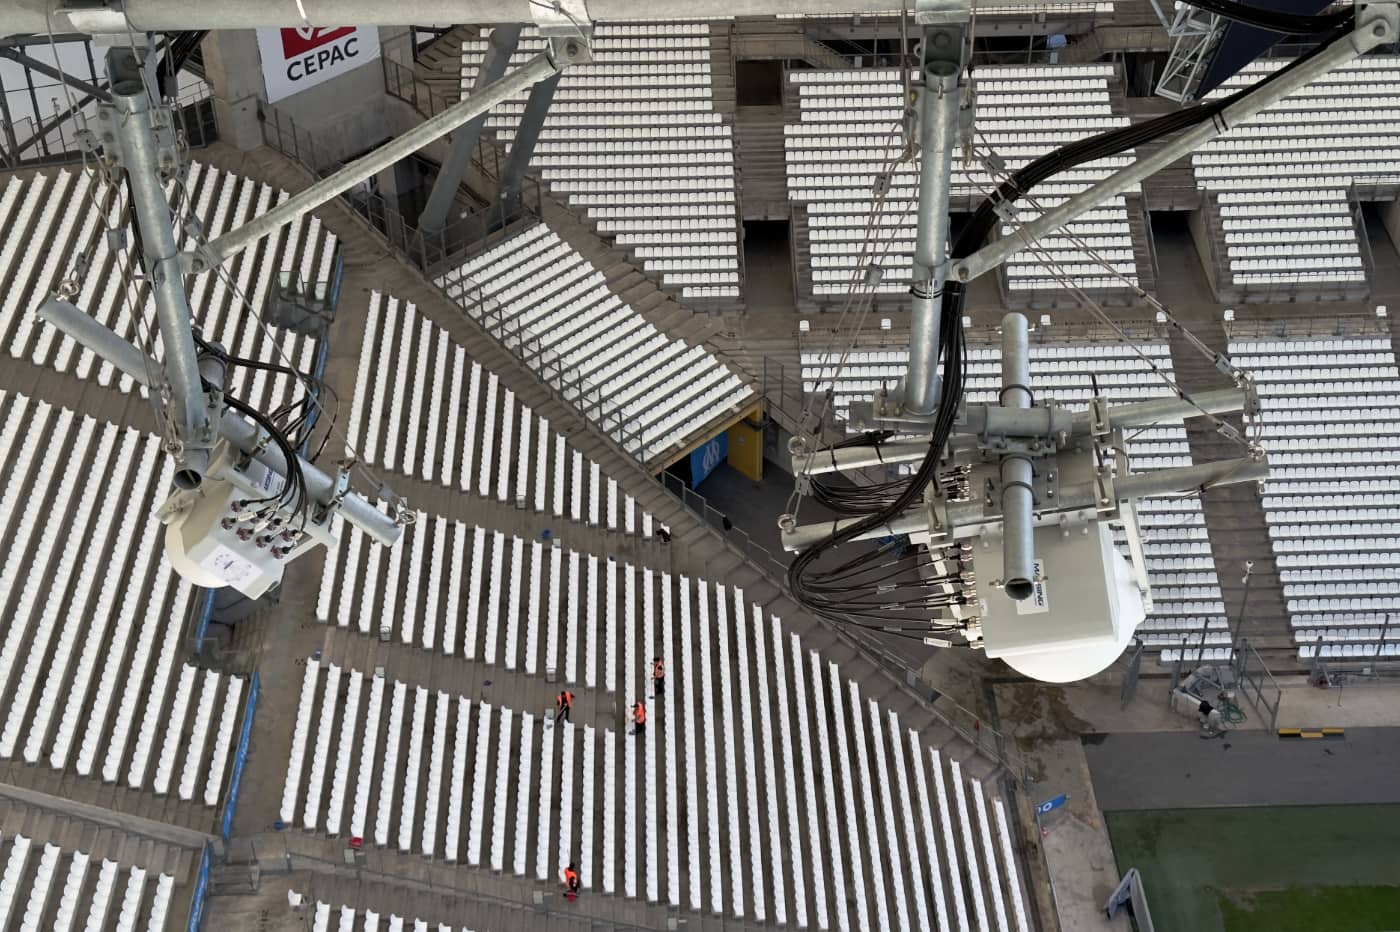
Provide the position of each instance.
(639, 714)
(565, 700)
(658, 670)
(570, 877)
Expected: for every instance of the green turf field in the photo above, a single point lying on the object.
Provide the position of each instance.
(1316, 868)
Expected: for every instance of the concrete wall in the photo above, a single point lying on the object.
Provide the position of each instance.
(344, 115)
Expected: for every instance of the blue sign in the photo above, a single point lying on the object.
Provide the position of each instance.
(1050, 805)
(707, 457)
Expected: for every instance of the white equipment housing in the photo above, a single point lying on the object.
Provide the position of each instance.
(227, 532)
(1082, 613)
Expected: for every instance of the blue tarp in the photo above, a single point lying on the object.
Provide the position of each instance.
(201, 887)
(240, 757)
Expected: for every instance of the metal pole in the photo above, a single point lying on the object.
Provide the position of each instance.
(1375, 30)
(967, 518)
(128, 125)
(541, 66)
(938, 127)
(1017, 495)
(29, 16)
(1244, 604)
(58, 74)
(502, 45)
(87, 332)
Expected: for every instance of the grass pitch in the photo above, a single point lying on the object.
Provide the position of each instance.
(1266, 869)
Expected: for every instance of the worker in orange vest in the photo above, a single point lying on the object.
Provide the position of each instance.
(658, 675)
(563, 705)
(639, 717)
(571, 882)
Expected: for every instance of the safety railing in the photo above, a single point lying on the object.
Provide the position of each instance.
(968, 725)
(288, 851)
(55, 139)
(434, 251)
(1256, 683)
(405, 84)
(533, 349)
(1360, 324)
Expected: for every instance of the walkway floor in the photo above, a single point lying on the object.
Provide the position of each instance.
(1152, 770)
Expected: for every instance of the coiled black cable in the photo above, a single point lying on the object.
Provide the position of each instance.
(809, 586)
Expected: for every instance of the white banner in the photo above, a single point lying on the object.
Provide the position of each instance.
(296, 59)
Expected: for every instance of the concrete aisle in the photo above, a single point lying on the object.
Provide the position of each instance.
(1154, 770)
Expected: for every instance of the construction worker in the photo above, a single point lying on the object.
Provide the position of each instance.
(658, 675)
(563, 705)
(639, 718)
(571, 882)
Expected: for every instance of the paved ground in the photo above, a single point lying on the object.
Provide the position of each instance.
(1250, 768)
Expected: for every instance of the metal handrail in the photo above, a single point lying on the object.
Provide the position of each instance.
(967, 724)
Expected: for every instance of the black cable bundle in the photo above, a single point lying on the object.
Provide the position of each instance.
(844, 593)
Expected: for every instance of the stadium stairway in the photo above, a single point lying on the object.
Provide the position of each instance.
(762, 163)
(1234, 513)
(696, 549)
(624, 276)
(439, 64)
(771, 39)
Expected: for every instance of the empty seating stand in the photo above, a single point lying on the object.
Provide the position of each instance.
(485, 596)
(53, 231)
(441, 416)
(794, 772)
(1330, 420)
(91, 670)
(849, 135)
(1187, 608)
(49, 886)
(654, 394)
(1284, 186)
(632, 139)
(344, 918)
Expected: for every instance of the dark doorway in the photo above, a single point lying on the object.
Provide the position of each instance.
(768, 265)
(759, 84)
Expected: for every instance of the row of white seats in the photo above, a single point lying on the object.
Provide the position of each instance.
(51, 897)
(835, 262)
(59, 216)
(499, 449)
(1334, 540)
(350, 919)
(502, 757)
(460, 598)
(1269, 165)
(651, 392)
(67, 623)
(590, 122)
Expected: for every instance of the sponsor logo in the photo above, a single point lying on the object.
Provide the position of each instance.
(303, 39)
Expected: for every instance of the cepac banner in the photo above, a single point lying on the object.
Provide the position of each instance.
(296, 59)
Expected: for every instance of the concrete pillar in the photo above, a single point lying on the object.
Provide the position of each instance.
(526, 135)
(234, 73)
(503, 42)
